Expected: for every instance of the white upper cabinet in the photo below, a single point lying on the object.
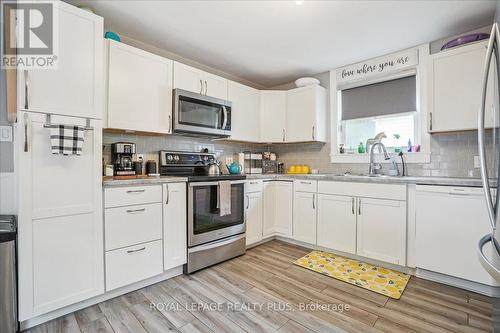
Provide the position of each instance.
(139, 90)
(305, 114)
(455, 87)
(244, 112)
(75, 87)
(272, 116)
(200, 82)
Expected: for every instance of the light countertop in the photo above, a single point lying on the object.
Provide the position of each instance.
(449, 181)
(139, 180)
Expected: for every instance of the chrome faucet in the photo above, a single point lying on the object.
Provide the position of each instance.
(375, 167)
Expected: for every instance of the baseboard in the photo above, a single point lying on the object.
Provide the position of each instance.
(459, 283)
(101, 298)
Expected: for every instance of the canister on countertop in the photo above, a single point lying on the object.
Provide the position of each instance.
(151, 167)
(138, 167)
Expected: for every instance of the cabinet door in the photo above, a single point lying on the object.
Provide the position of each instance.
(382, 230)
(253, 217)
(304, 217)
(244, 112)
(456, 86)
(60, 218)
(269, 209)
(306, 114)
(337, 222)
(284, 208)
(174, 225)
(139, 90)
(188, 78)
(215, 86)
(272, 116)
(75, 87)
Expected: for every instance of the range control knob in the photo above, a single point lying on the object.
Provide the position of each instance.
(170, 158)
(176, 158)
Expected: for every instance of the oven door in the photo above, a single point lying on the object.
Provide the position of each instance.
(195, 113)
(204, 221)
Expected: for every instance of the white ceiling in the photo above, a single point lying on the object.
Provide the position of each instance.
(272, 42)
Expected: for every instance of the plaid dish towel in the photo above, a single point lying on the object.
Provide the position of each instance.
(67, 139)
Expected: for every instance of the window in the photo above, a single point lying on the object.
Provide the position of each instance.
(388, 107)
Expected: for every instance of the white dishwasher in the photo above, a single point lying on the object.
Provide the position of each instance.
(449, 222)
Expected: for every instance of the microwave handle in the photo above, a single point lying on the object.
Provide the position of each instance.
(224, 123)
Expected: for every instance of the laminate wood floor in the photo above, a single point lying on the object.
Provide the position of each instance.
(263, 292)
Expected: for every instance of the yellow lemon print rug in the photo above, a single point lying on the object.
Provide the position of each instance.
(380, 280)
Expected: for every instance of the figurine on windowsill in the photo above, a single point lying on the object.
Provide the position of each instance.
(342, 149)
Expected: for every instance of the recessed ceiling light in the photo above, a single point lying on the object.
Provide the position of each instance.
(299, 2)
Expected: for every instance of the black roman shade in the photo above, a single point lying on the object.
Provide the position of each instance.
(380, 99)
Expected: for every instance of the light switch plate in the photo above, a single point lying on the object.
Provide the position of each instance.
(477, 162)
(5, 133)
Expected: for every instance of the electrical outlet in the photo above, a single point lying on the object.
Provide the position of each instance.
(5, 133)
(140, 157)
(477, 162)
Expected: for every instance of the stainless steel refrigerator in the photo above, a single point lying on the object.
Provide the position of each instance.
(489, 152)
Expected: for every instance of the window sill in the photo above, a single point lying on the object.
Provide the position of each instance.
(357, 158)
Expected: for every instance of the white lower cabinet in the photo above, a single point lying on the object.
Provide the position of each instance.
(253, 217)
(174, 225)
(382, 230)
(337, 222)
(131, 264)
(304, 217)
(278, 199)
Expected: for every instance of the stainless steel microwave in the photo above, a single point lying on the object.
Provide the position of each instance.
(201, 115)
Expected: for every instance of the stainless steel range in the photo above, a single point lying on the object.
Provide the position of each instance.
(214, 233)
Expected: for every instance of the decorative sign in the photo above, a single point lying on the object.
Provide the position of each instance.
(377, 66)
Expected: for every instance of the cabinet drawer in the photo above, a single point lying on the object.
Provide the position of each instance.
(254, 186)
(132, 264)
(125, 226)
(305, 185)
(132, 195)
(367, 190)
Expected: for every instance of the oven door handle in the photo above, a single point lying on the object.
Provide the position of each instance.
(196, 184)
(222, 242)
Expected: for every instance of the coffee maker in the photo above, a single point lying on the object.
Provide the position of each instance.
(122, 158)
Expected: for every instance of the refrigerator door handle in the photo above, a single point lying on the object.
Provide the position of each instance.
(487, 265)
(492, 48)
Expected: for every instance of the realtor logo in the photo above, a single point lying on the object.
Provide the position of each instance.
(29, 32)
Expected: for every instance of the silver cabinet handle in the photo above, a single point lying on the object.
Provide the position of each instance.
(254, 183)
(306, 183)
(26, 89)
(206, 87)
(26, 121)
(284, 135)
(313, 133)
(352, 206)
(169, 124)
(359, 206)
(248, 202)
(132, 211)
(492, 49)
(201, 87)
(168, 195)
(314, 200)
(135, 251)
(430, 121)
(136, 191)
